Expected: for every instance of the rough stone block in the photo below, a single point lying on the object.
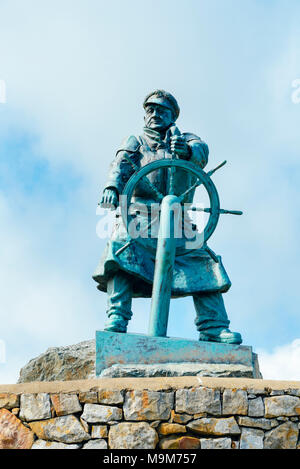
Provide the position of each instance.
(183, 442)
(180, 418)
(215, 426)
(263, 424)
(99, 431)
(95, 444)
(35, 407)
(235, 402)
(97, 413)
(13, 434)
(169, 428)
(61, 364)
(65, 404)
(197, 400)
(285, 436)
(9, 400)
(110, 397)
(148, 405)
(215, 443)
(256, 407)
(128, 435)
(65, 429)
(251, 438)
(282, 406)
(89, 397)
(43, 444)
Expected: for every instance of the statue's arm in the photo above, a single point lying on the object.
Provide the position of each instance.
(199, 150)
(119, 172)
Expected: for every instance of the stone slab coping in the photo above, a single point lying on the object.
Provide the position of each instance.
(154, 384)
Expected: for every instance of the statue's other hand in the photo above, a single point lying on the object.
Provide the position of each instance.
(180, 147)
(109, 199)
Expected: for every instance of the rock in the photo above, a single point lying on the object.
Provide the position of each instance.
(43, 444)
(9, 400)
(95, 444)
(61, 364)
(96, 413)
(169, 428)
(85, 425)
(264, 424)
(110, 397)
(65, 429)
(180, 418)
(65, 404)
(235, 402)
(282, 406)
(99, 431)
(178, 369)
(215, 426)
(183, 442)
(197, 400)
(89, 397)
(294, 392)
(285, 436)
(253, 392)
(35, 407)
(13, 434)
(256, 407)
(148, 405)
(216, 443)
(127, 435)
(252, 438)
(155, 423)
(75, 362)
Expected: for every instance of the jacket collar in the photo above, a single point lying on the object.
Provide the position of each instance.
(155, 140)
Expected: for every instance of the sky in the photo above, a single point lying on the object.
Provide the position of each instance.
(74, 74)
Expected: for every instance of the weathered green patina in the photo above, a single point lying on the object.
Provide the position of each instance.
(127, 349)
(162, 165)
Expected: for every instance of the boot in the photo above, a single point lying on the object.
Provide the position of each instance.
(224, 336)
(119, 299)
(116, 323)
(212, 321)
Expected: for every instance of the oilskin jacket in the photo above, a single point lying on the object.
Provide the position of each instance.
(195, 271)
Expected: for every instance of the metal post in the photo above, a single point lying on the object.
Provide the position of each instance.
(164, 263)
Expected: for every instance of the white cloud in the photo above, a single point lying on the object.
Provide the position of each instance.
(283, 363)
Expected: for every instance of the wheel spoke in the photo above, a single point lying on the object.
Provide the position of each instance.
(171, 189)
(212, 171)
(153, 189)
(221, 211)
(197, 183)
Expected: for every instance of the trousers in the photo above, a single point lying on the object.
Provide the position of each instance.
(211, 314)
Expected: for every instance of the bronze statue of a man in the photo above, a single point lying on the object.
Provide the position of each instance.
(130, 274)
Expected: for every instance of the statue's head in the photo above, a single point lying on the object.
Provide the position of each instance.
(161, 110)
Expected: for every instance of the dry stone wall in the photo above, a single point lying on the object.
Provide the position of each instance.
(176, 415)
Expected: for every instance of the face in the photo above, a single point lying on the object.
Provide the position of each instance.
(158, 117)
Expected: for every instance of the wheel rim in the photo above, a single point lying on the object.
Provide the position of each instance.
(188, 166)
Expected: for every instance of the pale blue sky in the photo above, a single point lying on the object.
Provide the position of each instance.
(76, 73)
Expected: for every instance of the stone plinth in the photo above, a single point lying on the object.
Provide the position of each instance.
(138, 355)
